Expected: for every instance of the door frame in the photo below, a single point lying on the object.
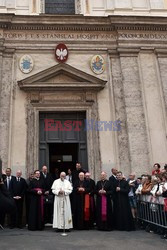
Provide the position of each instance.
(93, 147)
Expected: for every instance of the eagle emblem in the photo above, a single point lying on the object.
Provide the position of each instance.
(61, 52)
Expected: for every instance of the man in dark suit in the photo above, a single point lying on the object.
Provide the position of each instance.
(113, 179)
(7, 204)
(8, 182)
(47, 177)
(19, 190)
(48, 196)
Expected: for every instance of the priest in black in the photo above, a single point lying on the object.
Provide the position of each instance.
(75, 173)
(36, 209)
(81, 204)
(92, 185)
(122, 211)
(104, 192)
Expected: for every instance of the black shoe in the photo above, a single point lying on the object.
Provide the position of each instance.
(147, 229)
(164, 236)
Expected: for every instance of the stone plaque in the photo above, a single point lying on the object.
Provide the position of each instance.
(60, 6)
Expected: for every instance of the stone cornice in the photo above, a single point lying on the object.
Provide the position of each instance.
(82, 23)
(78, 80)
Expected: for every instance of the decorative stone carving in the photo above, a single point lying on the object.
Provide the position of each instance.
(42, 6)
(35, 97)
(78, 8)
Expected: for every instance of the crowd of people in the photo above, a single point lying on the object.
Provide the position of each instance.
(75, 201)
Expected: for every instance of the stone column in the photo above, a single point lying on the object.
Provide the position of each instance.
(122, 143)
(153, 105)
(136, 125)
(5, 104)
(1, 61)
(162, 63)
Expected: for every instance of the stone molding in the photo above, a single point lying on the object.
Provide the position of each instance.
(77, 80)
(81, 23)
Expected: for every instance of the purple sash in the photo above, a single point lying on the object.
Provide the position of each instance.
(104, 208)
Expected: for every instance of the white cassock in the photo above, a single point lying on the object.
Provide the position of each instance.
(62, 207)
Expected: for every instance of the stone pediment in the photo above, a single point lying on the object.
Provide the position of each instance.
(61, 77)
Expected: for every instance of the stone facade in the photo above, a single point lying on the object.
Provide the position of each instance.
(132, 88)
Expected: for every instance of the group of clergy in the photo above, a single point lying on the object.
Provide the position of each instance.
(79, 203)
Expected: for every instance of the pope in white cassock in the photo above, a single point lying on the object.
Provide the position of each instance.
(62, 217)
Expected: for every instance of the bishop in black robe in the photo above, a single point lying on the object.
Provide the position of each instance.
(122, 211)
(81, 209)
(103, 204)
(36, 209)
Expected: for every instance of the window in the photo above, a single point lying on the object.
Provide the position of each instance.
(60, 7)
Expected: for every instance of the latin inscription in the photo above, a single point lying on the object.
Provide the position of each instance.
(87, 36)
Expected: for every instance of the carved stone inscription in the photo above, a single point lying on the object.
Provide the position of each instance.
(84, 36)
(57, 36)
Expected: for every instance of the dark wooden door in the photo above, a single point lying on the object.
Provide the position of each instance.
(64, 128)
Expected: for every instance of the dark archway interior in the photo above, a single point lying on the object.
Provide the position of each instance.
(62, 156)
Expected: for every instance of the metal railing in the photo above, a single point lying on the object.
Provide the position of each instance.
(151, 210)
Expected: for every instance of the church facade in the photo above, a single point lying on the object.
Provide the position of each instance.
(83, 88)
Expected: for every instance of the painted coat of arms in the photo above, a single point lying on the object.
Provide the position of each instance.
(26, 64)
(97, 64)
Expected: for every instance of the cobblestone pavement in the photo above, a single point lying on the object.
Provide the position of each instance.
(48, 239)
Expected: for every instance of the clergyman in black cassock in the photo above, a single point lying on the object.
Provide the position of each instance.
(91, 183)
(81, 212)
(103, 204)
(75, 173)
(36, 209)
(122, 211)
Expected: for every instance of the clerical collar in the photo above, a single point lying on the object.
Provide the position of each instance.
(37, 178)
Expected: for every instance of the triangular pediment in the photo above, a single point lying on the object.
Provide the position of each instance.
(61, 77)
